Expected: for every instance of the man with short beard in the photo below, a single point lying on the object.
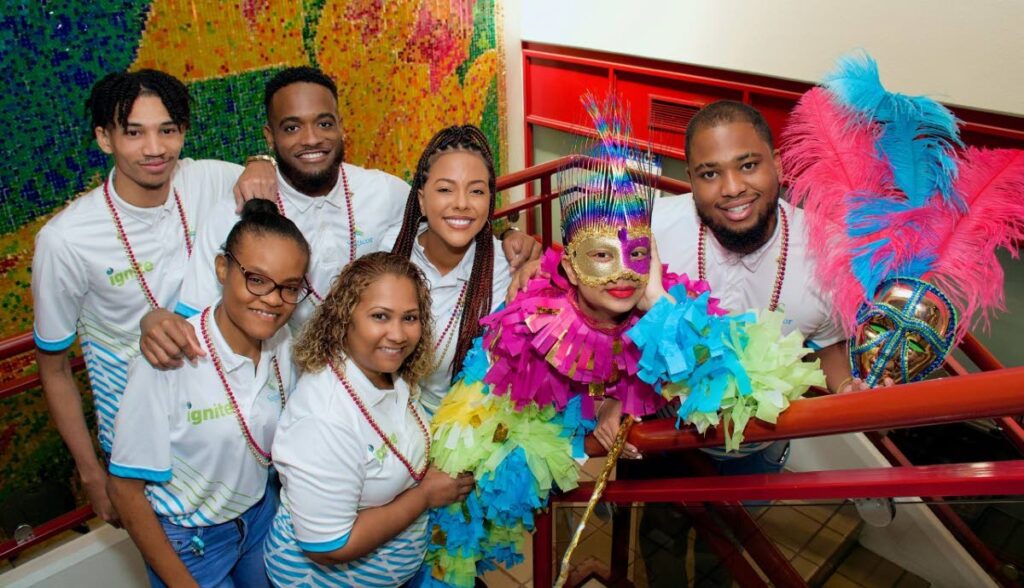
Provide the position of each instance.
(343, 210)
(735, 232)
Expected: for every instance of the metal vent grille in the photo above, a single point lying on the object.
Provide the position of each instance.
(671, 115)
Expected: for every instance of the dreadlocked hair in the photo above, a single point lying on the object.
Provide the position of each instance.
(325, 337)
(112, 98)
(478, 296)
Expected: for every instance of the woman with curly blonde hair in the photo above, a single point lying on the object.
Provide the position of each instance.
(352, 444)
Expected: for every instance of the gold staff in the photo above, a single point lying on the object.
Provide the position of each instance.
(602, 481)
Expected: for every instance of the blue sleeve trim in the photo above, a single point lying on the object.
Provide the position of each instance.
(323, 546)
(185, 310)
(53, 345)
(813, 346)
(157, 476)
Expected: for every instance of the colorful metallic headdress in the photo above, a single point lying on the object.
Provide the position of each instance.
(601, 202)
(904, 221)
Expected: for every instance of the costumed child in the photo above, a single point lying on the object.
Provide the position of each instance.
(191, 458)
(525, 398)
(353, 445)
(446, 233)
(905, 221)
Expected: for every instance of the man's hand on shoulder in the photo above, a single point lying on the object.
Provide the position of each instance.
(259, 180)
(519, 248)
(168, 339)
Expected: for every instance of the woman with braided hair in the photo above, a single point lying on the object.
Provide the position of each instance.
(446, 233)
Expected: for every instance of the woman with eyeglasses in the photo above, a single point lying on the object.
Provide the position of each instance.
(191, 460)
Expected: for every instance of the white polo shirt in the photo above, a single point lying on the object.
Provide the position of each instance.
(744, 282)
(178, 431)
(332, 465)
(378, 202)
(444, 295)
(82, 279)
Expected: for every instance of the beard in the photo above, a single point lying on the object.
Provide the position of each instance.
(311, 183)
(748, 241)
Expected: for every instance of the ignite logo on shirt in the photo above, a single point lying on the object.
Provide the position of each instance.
(120, 278)
(362, 239)
(200, 415)
(382, 450)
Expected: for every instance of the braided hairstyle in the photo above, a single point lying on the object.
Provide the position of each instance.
(111, 99)
(478, 298)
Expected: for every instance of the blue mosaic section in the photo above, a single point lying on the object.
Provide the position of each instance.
(52, 53)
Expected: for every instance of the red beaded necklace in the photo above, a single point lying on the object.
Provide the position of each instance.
(416, 475)
(123, 237)
(262, 457)
(780, 273)
(456, 312)
(351, 226)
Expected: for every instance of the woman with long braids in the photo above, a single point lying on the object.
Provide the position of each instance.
(597, 324)
(446, 233)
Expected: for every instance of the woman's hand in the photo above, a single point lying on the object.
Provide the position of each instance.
(609, 417)
(655, 290)
(441, 489)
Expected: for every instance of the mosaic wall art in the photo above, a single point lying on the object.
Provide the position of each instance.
(405, 68)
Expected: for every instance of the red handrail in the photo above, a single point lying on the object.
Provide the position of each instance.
(12, 347)
(906, 405)
(994, 478)
(51, 528)
(544, 171)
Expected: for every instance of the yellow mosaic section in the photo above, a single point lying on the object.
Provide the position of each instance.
(194, 40)
(395, 64)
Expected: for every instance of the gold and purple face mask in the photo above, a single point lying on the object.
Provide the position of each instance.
(905, 333)
(605, 255)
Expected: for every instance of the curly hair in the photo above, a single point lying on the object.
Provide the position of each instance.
(478, 300)
(325, 336)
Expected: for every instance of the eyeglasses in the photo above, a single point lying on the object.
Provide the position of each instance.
(260, 285)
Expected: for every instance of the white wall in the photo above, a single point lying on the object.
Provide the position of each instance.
(510, 37)
(959, 52)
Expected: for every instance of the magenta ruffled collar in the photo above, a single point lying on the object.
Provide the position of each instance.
(545, 350)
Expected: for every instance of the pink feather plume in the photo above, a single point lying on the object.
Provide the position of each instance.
(991, 183)
(828, 155)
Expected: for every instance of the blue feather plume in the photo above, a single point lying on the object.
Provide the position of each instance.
(918, 135)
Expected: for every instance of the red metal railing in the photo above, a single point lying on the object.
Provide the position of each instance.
(9, 348)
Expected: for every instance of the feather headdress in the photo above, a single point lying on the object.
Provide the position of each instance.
(889, 192)
(602, 194)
